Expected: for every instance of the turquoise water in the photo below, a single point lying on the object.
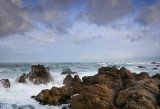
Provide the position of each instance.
(19, 95)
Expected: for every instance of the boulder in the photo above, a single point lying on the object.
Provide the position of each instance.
(21, 79)
(139, 95)
(97, 96)
(112, 80)
(141, 76)
(103, 70)
(155, 63)
(67, 71)
(5, 83)
(141, 67)
(126, 75)
(69, 81)
(38, 75)
(54, 96)
(154, 68)
(157, 76)
(96, 79)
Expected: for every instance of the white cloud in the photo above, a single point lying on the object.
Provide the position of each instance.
(46, 39)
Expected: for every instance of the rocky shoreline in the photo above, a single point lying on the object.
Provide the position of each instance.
(110, 88)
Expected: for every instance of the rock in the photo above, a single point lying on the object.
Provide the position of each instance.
(141, 76)
(96, 79)
(22, 79)
(38, 75)
(154, 68)
(126, 75)
(97, 96)
(112, 80)
(141, 67)
(139, 95)
(67, 71)
(155, 63)
(158, 65)
(103, 70)
(157, 76)
(55, 96)
(69, 81)
(5, 83)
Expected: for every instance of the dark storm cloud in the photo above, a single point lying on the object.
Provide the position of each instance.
(13, 17)
(102, 12)
(149, 15)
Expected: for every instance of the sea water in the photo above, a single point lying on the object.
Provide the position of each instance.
(19, 94)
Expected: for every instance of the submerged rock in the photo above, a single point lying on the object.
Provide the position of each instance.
(155, 63)
(38, 75)
(154, 68)
(5, 83)
(67, 71)
(141, 67)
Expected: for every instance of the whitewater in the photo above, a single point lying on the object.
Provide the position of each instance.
(18, 96)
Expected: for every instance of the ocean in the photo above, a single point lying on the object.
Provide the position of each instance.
(18, 96)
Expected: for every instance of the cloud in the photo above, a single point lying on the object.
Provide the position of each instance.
(16, 17)
(149, 15)
(13, 17)
(46, 36)
(45, 39)
(53, 14)
(102, 12)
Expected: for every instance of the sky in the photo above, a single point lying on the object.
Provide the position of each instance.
(79, 30)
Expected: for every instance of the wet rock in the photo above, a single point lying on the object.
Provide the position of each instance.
(112, 80)
(103, 70)
(155, 63)
(21, 79)
(141, 76)
(157, 76)
(106, 90)
(154, 68)
(5, 83)
(69, 81)
(126, 75)
(139, 95)
(96, 79)
(97, 96)
(141, 67)
(38, 75)
(55, 96)
(67, 71)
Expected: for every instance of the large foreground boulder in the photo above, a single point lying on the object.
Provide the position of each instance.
(96, 96)
(142, 94)
(38, 75)
(5, 83)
